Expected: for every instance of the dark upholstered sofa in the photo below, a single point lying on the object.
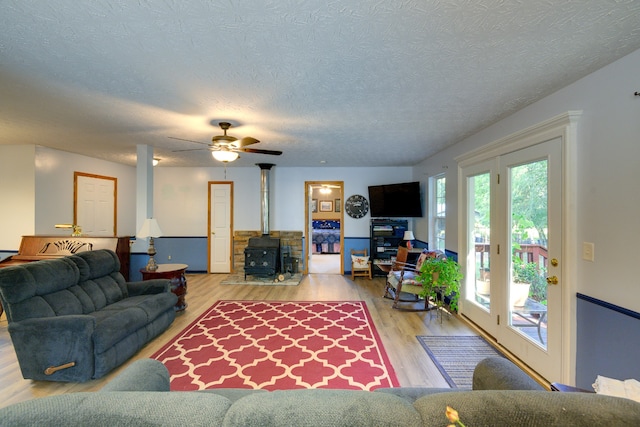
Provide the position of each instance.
(503, 395)
(75, 318)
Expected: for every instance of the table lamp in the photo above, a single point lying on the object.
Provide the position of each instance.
(408, 237)
(150, 229)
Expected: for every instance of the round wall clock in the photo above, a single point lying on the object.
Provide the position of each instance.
(356, 206)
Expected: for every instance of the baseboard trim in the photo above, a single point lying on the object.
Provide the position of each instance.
(532, 373)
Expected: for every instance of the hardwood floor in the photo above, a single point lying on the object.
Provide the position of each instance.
(397, 329)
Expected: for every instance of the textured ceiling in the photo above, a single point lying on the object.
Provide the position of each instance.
(352, 83)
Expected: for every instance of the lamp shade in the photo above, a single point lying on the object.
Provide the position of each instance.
(150, 228)
(224, 155)
(408, 235)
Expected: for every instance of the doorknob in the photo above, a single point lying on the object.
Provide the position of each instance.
(553, 280)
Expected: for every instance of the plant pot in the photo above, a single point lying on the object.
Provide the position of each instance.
(519, 293)
(483, 287)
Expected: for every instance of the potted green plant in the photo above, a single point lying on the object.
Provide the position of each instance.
(440, 278)
(523, 275)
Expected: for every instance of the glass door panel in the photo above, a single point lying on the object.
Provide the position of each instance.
(529, 252)
(482, 273)
(480, 207)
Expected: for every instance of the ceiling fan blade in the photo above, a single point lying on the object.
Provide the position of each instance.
(258, 151)
(245, 141)
(188, 140)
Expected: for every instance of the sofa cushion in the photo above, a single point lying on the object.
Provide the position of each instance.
(412, 393)
(117, 409)
(100, 276)
(499, 373)
(529, 407)
(93, 264)
(322, 407)
(27, 287)
(119, 320)
(140, 375)
(103, 291)
(152, 305)
(113, 326)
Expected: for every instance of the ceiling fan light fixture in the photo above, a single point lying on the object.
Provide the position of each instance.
(225, 156)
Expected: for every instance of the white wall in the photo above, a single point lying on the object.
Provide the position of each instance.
(608, 174)
(180, 196)
(54, 189)
(17, 191)
(38, 182)
(288, 193)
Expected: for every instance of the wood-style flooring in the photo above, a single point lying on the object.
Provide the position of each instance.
(397, 329)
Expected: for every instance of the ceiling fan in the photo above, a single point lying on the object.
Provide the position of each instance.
(225, 148)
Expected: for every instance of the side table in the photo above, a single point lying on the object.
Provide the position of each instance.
(175, 273)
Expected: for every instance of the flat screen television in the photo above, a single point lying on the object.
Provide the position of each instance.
(395, 200)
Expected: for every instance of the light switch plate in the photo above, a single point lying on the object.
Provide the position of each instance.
(588, 250)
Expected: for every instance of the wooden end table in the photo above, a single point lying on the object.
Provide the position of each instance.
(175, 273)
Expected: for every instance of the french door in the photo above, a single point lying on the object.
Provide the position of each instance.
(513, 246)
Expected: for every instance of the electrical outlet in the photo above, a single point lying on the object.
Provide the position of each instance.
(588, 250)
(169, 257)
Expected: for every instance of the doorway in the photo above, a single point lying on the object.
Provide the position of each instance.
(324, 227)
(515, 202)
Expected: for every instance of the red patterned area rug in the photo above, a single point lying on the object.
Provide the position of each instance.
(279, 345)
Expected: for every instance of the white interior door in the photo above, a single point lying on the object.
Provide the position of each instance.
(95, 204)
(220, 226)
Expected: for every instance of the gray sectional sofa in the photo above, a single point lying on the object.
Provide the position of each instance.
(75, 318)
(502, 395)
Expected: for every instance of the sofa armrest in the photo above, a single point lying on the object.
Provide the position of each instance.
(499, 373)
(53, 342)
(148, 287)
(141, 375)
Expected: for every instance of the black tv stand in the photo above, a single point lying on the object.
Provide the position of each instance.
(386, 235)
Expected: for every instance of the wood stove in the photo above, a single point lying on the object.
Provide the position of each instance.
(262, 254)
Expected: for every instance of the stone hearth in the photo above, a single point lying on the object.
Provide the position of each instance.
(287, 238)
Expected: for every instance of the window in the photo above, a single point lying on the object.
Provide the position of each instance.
(437, 212)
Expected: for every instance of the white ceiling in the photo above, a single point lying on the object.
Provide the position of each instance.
(353, 83)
